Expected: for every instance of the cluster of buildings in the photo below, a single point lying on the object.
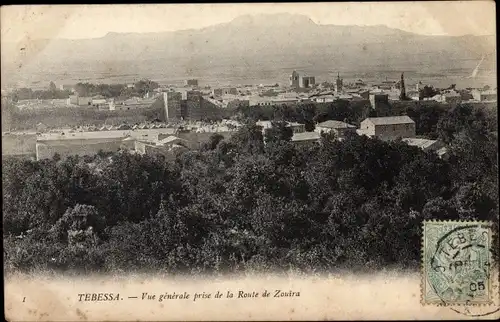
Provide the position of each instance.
(112, 104)
(194, 102)
(154, 139)
(383, 128)
(167, 141)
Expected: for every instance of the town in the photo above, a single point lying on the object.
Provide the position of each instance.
(188, 116)
(266, 144)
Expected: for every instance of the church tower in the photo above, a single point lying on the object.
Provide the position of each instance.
(402, 94)
(338, 84)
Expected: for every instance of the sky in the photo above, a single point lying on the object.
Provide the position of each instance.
(22, 22)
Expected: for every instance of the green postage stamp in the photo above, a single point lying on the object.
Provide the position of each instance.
(456, 263)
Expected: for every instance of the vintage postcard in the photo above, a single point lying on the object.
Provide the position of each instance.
(240, 161)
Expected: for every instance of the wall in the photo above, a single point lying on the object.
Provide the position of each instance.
(197, 139)
(225, 91)
(81, 147)
(339, 132)
(394, 131)
(172, 103)
(237, 103)
(19, 144)
(84, 101)
(193, 106)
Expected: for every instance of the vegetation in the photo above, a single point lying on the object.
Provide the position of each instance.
(51, 93)
(426, 115)
(14, 118)
(240, 204)
(139, 89)
(120, 91)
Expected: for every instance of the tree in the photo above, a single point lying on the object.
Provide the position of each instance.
(279, 131)
(145, 86)
(427, 91)
(52, 87)
(214, 140)
(249, 139)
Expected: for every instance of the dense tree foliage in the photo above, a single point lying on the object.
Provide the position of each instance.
(139, 88)
(123, 91)
(246, 204)
(52, 93)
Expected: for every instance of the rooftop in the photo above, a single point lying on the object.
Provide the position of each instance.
(421, 143)
(390, 120)
(169, 139)
(305, 136)
(333, 124)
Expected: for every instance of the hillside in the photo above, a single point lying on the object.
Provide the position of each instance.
(266, 41)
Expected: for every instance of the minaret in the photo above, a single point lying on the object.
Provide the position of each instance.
(402, 94)
(338, 84)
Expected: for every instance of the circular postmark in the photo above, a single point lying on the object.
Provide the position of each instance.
(459, 270)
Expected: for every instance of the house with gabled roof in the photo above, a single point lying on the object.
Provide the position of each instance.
(389, 127)
(338, 127)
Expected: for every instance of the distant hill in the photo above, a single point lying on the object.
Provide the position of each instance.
(263, 40)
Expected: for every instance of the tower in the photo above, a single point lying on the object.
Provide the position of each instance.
(172, 103)
(402, 93)
(294, 80)
(338, 84)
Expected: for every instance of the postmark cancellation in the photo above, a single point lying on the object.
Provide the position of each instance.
(457, 263)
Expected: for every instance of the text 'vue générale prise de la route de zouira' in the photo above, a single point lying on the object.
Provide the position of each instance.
(194, 296)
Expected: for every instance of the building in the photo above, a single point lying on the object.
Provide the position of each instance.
(387, 85)
(300, 81)
(66, 88)
(307, 81)
(271, 101)
(99, 101)
(339, 83)
(79, 100)
(218, 92)
(339, 128)
(450, 97)
(388, 128)
(323, 97)
(296, 127)
(294, 80)
(169, 146)
(402, 88)
(305, 138)
(191, 82)
(378, 100)
(424, 144)
(484, 96)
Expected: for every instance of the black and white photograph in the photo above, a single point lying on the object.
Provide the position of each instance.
(354, 144)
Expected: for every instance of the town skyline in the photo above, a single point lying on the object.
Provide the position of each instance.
(84, 21)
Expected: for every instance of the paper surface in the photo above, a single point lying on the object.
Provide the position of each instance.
(344, 297)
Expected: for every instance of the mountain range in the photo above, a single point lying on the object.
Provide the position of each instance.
(261, 41)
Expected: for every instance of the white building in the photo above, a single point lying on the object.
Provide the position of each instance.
(388, 128)
(484, 96)
(337, 127)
